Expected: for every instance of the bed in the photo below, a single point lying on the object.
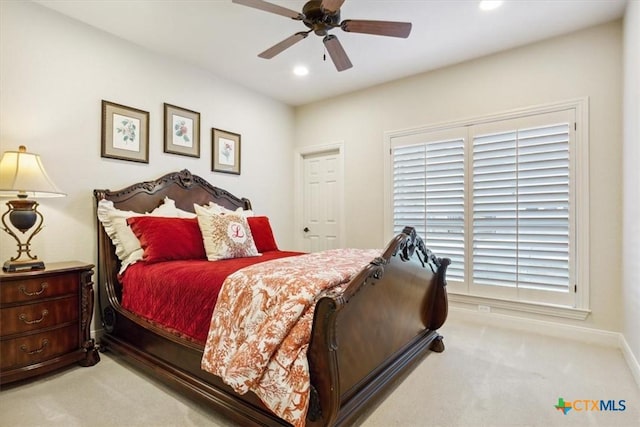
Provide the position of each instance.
(362, 340)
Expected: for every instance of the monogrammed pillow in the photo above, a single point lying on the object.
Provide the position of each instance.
(225, 235)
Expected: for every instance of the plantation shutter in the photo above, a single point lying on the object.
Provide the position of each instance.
(503, 197)
(521, 208)
(428, 194)
(410, 189)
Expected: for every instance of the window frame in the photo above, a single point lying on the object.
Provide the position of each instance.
(579, 186)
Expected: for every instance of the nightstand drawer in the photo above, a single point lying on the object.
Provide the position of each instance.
(30, 317)
(35, 348)
(32, 289)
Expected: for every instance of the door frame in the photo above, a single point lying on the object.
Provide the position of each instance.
(299, 156)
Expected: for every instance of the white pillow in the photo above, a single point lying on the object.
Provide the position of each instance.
(167, 208)
(213, 207)
(181, 212)
(225, 235)
(114, 221)
(185, 214)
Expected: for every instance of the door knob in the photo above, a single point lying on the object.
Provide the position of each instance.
(306, 229)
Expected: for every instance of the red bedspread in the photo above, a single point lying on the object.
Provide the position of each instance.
(181, 295)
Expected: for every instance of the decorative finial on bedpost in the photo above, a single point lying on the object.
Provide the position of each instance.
(408, 246)
(414, 242)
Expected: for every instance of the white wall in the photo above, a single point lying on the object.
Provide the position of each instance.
(55, 71)
(631, 179)
(586, 63)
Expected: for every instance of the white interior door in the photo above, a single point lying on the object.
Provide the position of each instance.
(322, 191)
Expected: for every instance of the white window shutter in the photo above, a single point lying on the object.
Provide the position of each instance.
(521, 208)
(428, 194)
(494, 209)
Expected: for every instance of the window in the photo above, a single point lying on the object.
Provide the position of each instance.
(500, 197)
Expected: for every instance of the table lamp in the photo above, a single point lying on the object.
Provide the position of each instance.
(22, 175)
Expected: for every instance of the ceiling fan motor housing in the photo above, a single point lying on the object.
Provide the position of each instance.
(319, 20)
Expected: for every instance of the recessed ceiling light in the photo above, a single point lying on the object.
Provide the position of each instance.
(490, 4)
(300, 70)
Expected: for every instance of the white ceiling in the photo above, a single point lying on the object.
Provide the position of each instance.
(226, 38)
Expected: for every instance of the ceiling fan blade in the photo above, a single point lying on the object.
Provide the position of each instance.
(337, 53)
(379, 28)
(270, 7)
(331, 5)
(284, 44)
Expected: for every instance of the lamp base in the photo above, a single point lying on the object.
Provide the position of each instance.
(16, 266)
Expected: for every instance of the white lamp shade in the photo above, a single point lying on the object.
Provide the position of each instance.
(22, 173)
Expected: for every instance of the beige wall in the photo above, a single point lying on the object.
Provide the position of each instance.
(583, 64)
(55, 71)
(631, 180)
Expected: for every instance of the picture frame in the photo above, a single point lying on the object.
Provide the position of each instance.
(181, 131)
(225, 151)
(125, 133)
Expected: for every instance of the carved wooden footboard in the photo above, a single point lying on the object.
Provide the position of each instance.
(381, 326)
(384, 322)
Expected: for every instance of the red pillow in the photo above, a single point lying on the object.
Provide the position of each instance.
(262, 233)
(166, 239)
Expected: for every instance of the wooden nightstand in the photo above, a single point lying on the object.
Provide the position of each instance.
(45, 318)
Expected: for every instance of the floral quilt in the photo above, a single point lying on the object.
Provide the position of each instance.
(261, 325)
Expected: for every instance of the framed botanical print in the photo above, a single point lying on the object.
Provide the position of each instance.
(125, 133)
(181, 131)
(225, 151)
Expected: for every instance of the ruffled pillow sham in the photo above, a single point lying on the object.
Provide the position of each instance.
(114, 221)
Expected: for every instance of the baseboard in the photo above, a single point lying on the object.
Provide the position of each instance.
(554, 329)
(97, 333)
(631, 359)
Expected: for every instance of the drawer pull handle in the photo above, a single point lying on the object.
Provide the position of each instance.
(23, 317)
(45, 342)
(43, 286)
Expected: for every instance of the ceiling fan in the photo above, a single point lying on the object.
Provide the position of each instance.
(320, 16)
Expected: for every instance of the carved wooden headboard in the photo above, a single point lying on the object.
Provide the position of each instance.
(183, 187)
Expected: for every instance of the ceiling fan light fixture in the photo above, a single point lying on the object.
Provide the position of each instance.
(487, 5)
(300, 70)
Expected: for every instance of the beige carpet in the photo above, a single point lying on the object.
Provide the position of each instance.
(487, 376)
